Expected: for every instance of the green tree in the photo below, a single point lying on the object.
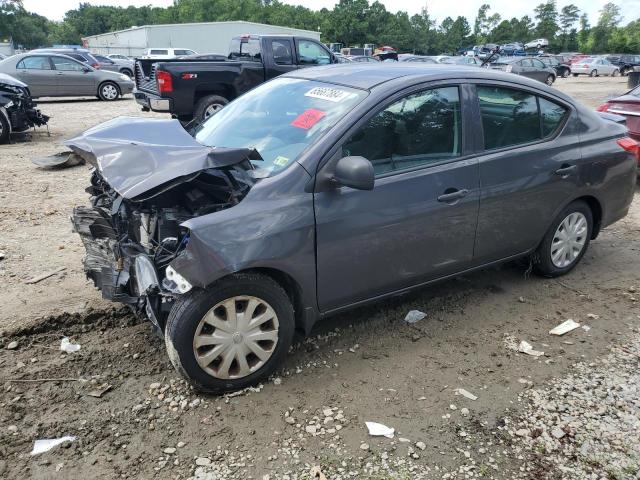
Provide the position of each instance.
(569, 15)
(547, 17)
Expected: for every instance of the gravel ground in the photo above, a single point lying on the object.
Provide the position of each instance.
(572, 413)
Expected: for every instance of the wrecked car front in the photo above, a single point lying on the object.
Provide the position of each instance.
(149, 177)
(17, 107)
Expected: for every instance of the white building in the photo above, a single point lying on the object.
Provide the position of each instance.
(210, 37)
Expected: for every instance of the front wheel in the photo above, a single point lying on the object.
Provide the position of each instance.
(550, 79)
(108, 91)
(231, 335)
(5, 129)
(566, 73)
(594, 73)
(566, 241)
(616, 73)
(575, 74)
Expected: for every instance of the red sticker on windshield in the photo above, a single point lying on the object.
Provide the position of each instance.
(308, 118)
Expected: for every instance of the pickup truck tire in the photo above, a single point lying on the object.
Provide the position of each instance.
(108, 91)
(207, 106)
(218, 312)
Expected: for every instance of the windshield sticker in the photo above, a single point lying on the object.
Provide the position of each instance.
(280, 161)
(328, 93)
(308, 118)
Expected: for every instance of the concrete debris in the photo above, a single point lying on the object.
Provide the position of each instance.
(99, 391)
(564, 327)
(67, 346)
(12, 345)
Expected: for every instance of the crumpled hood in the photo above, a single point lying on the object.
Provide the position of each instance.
(9, 80)
(136, 155)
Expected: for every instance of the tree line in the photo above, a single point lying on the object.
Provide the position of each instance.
(351, 22)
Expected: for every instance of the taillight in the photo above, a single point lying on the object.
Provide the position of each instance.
(164, 80)
(604, 107)
(630, 145)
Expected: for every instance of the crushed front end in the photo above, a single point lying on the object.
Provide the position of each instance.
(132, 230)
(18, 107)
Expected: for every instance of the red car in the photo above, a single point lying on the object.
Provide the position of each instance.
(627, 105)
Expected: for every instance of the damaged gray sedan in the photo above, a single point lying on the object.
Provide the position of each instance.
(329, 188)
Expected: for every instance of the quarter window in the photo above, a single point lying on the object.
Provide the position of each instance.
(34, 63)
(420, 129)
(513, 117)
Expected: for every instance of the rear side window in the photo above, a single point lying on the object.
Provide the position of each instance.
(282, 52)
(183, 52)
(159, 52)
(245, 49)
(34, 63)
(514, 117)
(419, 129)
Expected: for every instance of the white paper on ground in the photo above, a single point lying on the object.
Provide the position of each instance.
(465, 393)
(378, 429)
(41, 446)
(67, 346)
(564, 327)
(526, 347)
(414, 316)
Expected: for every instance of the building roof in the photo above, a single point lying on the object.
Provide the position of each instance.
(165, 25)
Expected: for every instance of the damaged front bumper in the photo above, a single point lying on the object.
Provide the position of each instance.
(142, 191)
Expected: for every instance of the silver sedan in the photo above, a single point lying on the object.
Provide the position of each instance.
(594, 67)
(54, 75)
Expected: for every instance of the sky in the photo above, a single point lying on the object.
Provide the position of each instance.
(438, 9)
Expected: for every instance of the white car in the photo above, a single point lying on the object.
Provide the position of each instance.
(118, 56)
(162, 52)
(594, 67)
(537, 43)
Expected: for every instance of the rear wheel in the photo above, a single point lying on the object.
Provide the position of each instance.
(208, 106)
(594, 73)
(566, 241)
(232, 334)
(108, 91)
(566, 73)
(616, 73)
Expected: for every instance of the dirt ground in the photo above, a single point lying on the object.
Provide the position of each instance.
(366, 365)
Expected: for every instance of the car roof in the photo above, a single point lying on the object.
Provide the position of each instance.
(368, 76)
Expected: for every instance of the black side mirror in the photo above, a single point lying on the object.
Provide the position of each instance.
(354, 172)
(86, 69)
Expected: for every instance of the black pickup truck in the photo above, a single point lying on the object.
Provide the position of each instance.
(194, 88)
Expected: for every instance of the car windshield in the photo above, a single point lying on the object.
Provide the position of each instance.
(280, 119)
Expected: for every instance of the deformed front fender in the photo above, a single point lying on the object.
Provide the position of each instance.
(272, 227)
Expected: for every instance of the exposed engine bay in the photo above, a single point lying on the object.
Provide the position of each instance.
(18, 110)
(141, 193)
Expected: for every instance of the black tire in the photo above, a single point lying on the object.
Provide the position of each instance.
(187, 312)
(200, 112)
(593, 73)
(623, 71)
(127, 72)
(543, 264)
(566, 73)
(5, 134)
(615, 73)
(550, 79)
(574, 74)
(105, 91)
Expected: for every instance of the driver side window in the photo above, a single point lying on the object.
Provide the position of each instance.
(67, 64)
(310, 53)
(420, 129)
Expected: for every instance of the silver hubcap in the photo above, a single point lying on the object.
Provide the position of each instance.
(109, 92)
(212, 110)
(236, 337)
(569, 240)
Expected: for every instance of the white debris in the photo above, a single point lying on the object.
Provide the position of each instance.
(12, 345)
(465, 393)
(421, 445)
(41, 446)
(593, 316)
(564, 327)
(67, 346)
(378, 429)
(526, 347)
(414, 316)
(586, 328)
